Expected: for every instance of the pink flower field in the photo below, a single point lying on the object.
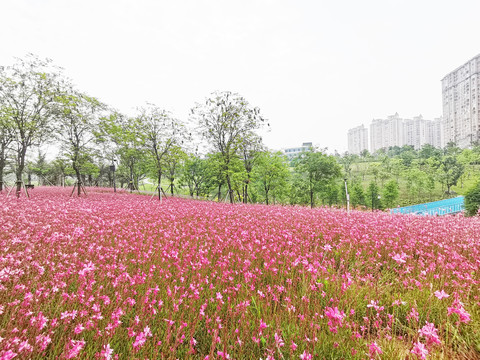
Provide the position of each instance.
(121, 276)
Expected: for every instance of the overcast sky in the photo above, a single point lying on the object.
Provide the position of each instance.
(314, 68)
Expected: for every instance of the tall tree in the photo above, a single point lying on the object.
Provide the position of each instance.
(77, 120)
(317, 170)
(390, 193)
(358, 195)
(173, 162)
(374, 195)
(124, 137)
(29, 88)
(194, 174)
(450, 170)
(271, 173)
(161, 133)
(225, 120)
(250, 149)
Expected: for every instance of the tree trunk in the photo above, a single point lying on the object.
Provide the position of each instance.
(219, 191)
(19, 171)
(311, 199)
(230, 192)
(79, 179)
(159, 185)
(2, 166)
(171, 187)
(266, 195)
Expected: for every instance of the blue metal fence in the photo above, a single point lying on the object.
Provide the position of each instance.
(442, 207)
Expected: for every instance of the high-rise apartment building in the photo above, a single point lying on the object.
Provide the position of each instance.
(460, 90)
(416, 131)
(435, 133)
(357, 139)
(385, 133)
(395, 131)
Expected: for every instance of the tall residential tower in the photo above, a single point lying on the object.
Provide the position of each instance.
(357, 139)
(460, 90)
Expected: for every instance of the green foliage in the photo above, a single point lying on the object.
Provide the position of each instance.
(472, 200)
(194, 175)
(450, 170)
(28, 90)
(271, 176)
(316, 171)
(77, 120)
(390, 193)
(227, 122)
(374, 195)
(357, 195)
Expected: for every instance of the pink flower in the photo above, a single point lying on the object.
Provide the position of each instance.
(293, 346)
(400, 258)
(75, 346)
(223, 355)
(7, 355)
(107, 352)
(413, 314)
(306, 356)
(278, 341)
(457, 308)
(43, 341)
(441, 294)
(140, 340)
(420, 350)
(374, 349)
(430, 333)
(79, 328)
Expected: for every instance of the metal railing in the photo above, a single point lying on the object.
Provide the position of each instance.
(435, 208)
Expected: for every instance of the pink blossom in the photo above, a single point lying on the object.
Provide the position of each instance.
(374, 349)
(430, 333)
(75, 346)
(457, 308)
(278, 340)
(306, 356)
(441, 294)
(106, 352)
(7, 355)
(420, 350)
(400, 258)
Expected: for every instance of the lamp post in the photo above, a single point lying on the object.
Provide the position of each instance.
(347, 196)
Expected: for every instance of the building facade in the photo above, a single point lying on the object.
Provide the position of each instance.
(396, 131)
(435, 133)
(460, 90)
(416, 131)
(291, 153)
(357, 140)
(385, 133)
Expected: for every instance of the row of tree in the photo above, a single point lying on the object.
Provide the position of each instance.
(218, 155)
(40, 107)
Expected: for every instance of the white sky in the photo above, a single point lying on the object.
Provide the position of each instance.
(315, 68)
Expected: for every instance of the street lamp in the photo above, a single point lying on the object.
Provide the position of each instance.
(347, 195)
